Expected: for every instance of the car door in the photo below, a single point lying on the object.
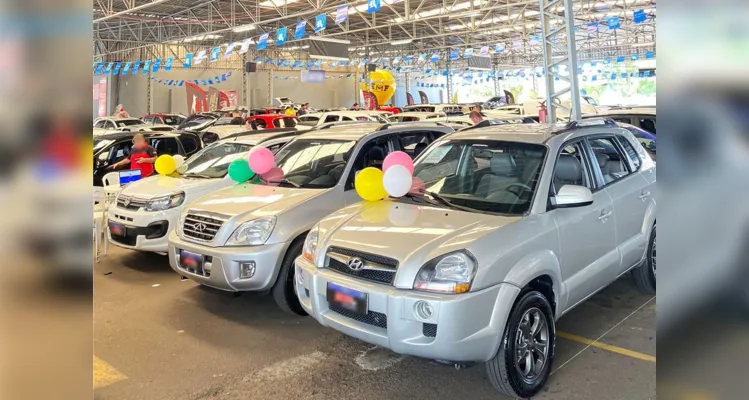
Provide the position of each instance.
(620, 177)
(588, 256)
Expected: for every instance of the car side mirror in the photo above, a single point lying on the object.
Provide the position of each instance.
(573, 196)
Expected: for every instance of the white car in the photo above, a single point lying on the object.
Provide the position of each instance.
(319, 119)
(411, 116)
(222, 131)
(119, 124)
(154, 128)
(145, 211)
(449, 109)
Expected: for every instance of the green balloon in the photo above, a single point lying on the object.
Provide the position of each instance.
(239, 171)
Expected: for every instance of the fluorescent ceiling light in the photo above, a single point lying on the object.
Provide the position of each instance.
(244, 28)
(276, 3)
(398, 42)
(197, 38)
(644, 44)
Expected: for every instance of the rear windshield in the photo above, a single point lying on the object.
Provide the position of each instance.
(128, 122)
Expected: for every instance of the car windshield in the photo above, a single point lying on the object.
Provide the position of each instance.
(101, 143)
(314, 163)
(483, 175)
(173, 120)
(213, 161)
(128, 122)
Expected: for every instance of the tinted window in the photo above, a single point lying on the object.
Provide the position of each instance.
(331, 118)
(173, 120)
(648, 124)
(261, 123)
(165, 145)
(188, 143)
(631, 153)
(414, 143)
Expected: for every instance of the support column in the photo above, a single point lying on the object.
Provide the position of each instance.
(270, 87)
(245, 81)
(497, 89)
(148, 90)
(557, 54)
(449, 82)
(407, 86)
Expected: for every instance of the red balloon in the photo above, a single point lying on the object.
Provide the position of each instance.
(273, 176)
(417, 186)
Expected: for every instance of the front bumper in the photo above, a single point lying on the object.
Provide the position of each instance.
(146, 231)
(222, 264)
(462, 328)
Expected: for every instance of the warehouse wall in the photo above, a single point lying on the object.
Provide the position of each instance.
(133, 90)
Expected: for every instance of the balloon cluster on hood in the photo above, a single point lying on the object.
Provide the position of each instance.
(256, 168)
(168, 165)
(395, 179)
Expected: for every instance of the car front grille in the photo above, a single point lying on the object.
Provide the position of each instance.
(373, 318)
(377, 268)
(201, 226)
(130, 203)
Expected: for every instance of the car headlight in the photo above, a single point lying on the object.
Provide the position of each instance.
(252, 233)
(449, 273)
(165, 202)
(309, 251)
(181, 223)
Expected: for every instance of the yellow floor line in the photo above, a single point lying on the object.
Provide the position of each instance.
(105, 374)
(607, 347)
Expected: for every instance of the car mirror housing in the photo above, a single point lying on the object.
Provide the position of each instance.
(573, 196)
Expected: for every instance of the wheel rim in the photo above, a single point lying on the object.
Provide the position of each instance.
(531, 344)
(652, 256)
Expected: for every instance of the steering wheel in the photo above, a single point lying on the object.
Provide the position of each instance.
(517, 184)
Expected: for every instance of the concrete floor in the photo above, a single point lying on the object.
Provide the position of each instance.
(159, 337)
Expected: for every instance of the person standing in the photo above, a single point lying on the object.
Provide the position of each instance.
(290, 111)
(355, 107)
(142, 157)
(121, 113)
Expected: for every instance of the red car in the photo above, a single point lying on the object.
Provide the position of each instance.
(394, 110)
(270, 121)
(167, 119)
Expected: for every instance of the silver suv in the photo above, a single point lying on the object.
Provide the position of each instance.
(517, 225)
(246, 237)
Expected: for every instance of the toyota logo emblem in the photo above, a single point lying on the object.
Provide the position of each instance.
(356, 264)
(199, 227)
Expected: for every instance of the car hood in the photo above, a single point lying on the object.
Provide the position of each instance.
(159, 185)
(409, 232)
(253, 200)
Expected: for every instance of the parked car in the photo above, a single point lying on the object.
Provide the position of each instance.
(163, 118)
(154, 128)
(448, 109)
(392, 110)
(110, 148)
(245, 238)
(641, 117)
(519, 223)
(319, 119)
(270, 121)
(118, 124)
(146, 210)
(411, 116)
(199, 122)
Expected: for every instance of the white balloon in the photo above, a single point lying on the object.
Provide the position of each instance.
(182, 169)
(397, 180)
(179, 160)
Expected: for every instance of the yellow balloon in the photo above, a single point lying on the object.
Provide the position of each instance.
(383, 86)
(368, 184)
(165, 164)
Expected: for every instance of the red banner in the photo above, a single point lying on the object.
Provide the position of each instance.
(409, 99)
(196, 101)
(424, 98)
(230, 97)
(370, 101)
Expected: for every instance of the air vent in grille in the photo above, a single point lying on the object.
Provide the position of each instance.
(429, 330)
(373, 318)
(201, 227)
(130, 203)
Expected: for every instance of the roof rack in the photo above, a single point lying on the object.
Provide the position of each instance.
(500, 121)
(588, 123)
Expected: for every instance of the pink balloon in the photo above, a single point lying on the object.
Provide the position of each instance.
(417, 186)
(398, 158)
(261, 160)
(273, 176)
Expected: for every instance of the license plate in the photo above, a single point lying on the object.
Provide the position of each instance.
(117, 229)
(189, 260)
(352, 300)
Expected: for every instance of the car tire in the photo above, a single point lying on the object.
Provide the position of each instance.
(283, 290)
(645, 274)
(504, 369)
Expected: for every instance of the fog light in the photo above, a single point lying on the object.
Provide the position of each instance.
(423, 310)
(246, 270)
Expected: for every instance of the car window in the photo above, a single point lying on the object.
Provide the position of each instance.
(165, 145)
(120, 150)
(275, 147)
(413, 143)
(347, 119)
(571, 168)
(148, 120)
(110, 125)
(172, 120)
(371, 154)
(100, 124)
(626, 120)
(610, 161)
(648, 124)
(485, 175)
(634, 158)
(331, 118)
(188, 143)
(213, 161)
(646, 139)
(261, 123)
(314, 163)
(128, 122)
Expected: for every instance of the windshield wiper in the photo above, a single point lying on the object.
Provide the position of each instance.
(198, 176)
(286, 181)
(450, 204)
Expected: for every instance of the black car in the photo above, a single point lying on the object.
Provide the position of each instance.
(200, 121)
(113, 147)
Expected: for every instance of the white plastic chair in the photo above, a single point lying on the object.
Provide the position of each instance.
(111, 179)
(111, 182)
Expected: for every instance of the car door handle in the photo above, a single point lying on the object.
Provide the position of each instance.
(604, 215)
(644, 195)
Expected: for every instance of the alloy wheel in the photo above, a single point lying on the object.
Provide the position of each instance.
(532, 344)
(652, 257)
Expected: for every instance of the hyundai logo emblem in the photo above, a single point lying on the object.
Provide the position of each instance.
(356, 264)
(199, 227)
